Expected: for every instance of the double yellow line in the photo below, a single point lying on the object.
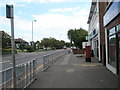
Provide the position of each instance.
(8, 49)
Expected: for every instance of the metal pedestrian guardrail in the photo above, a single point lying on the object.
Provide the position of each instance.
(49, 59)
(25, 73)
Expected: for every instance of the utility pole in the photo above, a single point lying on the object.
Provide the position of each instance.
(32, 31)
(10, 15)
(32, 28)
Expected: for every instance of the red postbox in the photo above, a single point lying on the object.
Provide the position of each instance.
(88, 53)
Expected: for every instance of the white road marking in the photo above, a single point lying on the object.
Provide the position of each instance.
(5, 62)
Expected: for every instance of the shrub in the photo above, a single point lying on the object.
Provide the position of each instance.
(7, 51)
(30, 48)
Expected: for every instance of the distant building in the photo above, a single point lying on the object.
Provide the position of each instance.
(84, 44)
(20, 41)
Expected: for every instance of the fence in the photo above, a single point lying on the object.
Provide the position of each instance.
(76, 51)
(25, 73)
(49, 59)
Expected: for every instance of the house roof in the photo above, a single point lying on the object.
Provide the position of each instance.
(20, 40)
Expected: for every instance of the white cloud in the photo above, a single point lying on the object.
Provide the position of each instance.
(52, 1)
(50, 25)
(41, 1)
(10, 2)
(4, 21)
(64, 9)
(22, 24)
(56, 24)
(4, 24)
(48, 1)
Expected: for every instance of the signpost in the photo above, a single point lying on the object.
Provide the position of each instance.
(10, 15)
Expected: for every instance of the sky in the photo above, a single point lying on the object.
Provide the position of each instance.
(53, 18)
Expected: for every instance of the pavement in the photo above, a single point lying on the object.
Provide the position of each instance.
(71, 71)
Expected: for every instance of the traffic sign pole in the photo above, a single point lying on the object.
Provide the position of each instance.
(10, 15)
(13, 47)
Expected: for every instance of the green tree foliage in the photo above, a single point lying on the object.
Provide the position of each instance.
(33, 44)
(46, 42)
(52, 43)
(67, 44)
(30, 48)
(6, 40)
(71, 35)
(37, 45)
(77, 36)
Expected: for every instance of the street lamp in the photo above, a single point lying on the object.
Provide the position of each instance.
(32, 28)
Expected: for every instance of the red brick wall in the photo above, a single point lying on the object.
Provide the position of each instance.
(76, 51)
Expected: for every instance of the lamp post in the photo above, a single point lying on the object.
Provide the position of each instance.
(32, 28)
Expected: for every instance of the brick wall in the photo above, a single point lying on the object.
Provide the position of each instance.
(76, 51)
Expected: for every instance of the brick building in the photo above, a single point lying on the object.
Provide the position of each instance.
(112, 36)
(104, 32)
(96, 30)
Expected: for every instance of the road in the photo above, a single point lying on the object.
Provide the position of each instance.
(23, 57)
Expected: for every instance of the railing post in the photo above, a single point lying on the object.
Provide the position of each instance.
(34, 69)
(43, 62)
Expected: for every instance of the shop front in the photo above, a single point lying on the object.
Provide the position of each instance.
(112, 36)
(118, 40)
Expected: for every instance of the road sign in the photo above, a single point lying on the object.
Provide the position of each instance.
(10, 15)
(9, 11)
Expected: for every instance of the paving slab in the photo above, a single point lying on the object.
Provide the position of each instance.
(71, 71)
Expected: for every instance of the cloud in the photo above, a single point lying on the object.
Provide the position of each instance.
(41, 1)
(51, 1)
(56, 24)
(49, 24)
(64, 9)
(48, 1)
(4, 24)
(20, 12)
(10, 2)
(3, 21)
(22, 24)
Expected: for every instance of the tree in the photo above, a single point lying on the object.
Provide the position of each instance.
(67, 44)
(52, 43)
(70, 35)
(22, 46)
(37, 45)
(45, 42)
(77, 36)
(6, 40)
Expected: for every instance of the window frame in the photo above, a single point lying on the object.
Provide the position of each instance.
(108, 36)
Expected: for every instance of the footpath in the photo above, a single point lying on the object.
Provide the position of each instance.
(71, 71)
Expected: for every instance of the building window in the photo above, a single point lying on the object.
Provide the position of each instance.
(112, 31)
(112, 47)
(94, 31)
(118, 27)
(112, 50)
